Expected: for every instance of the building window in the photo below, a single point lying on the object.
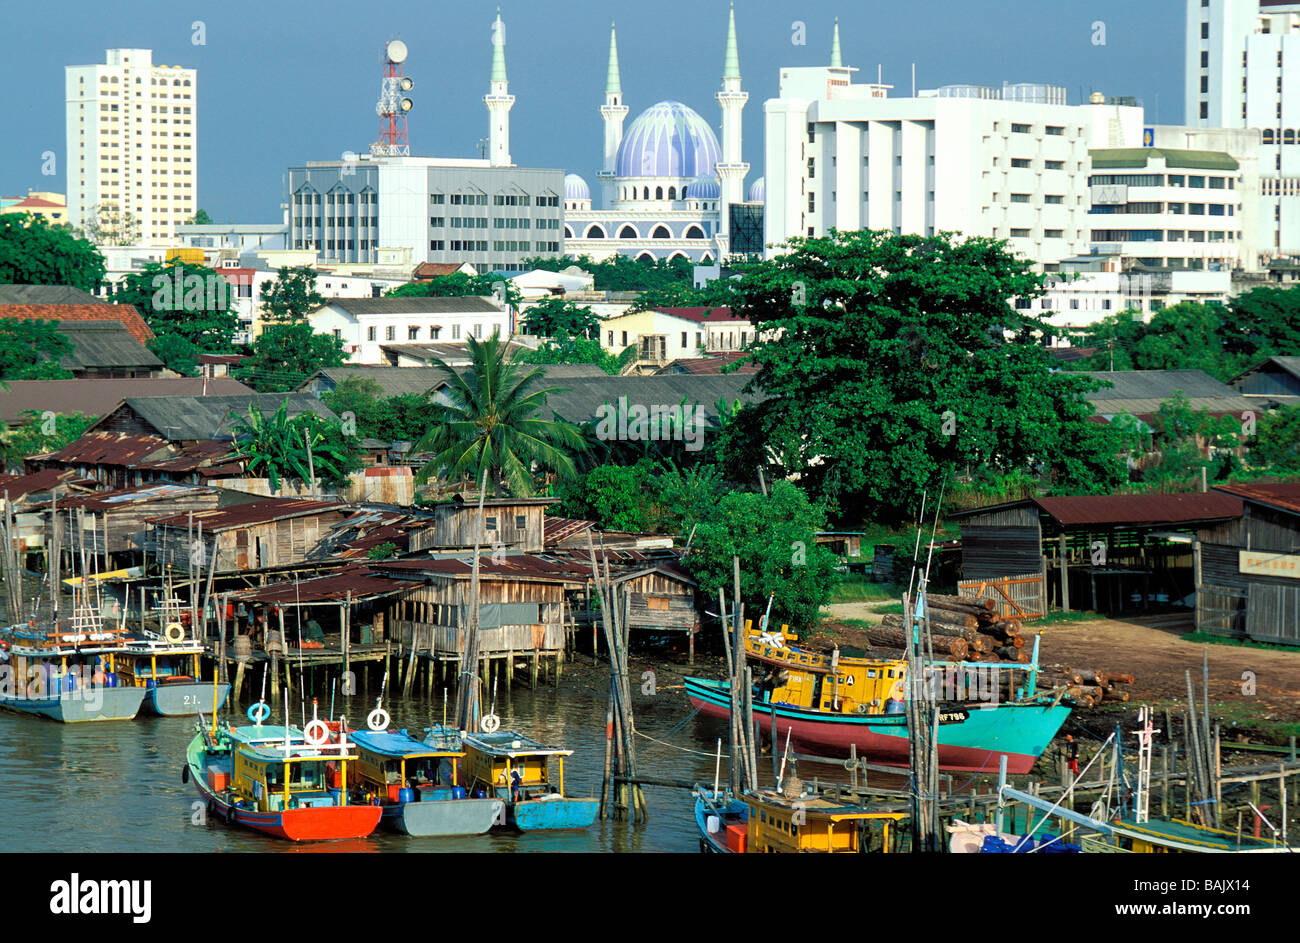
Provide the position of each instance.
(1019, 233)
(520, 522)
(1021, 128)
(1020, 198)
(1020, 162)
(412, 333)
(490, 523)
(370, 333)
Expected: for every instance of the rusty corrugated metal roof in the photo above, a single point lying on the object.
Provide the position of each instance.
(1121, 510)
(255, 512)
(555, 529)
(17, 486)
(1284, 495)
(361, 581)
(109, 500)
(516, 566)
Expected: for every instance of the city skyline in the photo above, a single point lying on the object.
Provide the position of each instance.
(247, 136)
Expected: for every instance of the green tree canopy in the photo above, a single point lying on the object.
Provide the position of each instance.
(1276, 445)
(177, 353)
(1264, 322)
(553, 316)
(32, 252)
(286, 354)
(185, 299)
(32, 350)
(1184, 336)
(489, 422)
(39, 434)
(388, 418)
(893, 363)
(292, 296)
(565, 349)
(775, 537)
(201, 218)
(458, 284)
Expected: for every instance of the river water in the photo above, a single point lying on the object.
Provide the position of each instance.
(116, 787)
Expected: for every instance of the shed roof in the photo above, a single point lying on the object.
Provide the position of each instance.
(252, 513)
(104, 344)
(1124, 510)
(18, 486)
(93, 397)
(585, 395)
(361, 581)
(1280, 495)
(1140, 392)
(47, 295)
(519, 566)
(189, 418)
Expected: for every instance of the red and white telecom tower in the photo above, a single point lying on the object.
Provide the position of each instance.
(393, 104)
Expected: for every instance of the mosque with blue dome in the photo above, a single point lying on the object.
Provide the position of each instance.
(668, 187)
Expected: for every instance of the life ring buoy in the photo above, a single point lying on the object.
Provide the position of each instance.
(259, 712)
(174, 633)
(490, 723)
(378, 719)
(316, 733)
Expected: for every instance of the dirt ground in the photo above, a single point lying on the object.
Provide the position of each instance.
(1152, 649)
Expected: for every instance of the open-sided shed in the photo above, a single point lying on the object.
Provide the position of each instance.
(1110, 553)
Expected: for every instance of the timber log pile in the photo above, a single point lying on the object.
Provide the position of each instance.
(987, 636)
(1084, 687)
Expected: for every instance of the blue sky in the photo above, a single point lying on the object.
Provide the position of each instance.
(281, 83)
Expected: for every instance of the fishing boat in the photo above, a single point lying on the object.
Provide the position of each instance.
(417, 785)
(506, 765)
(277, 780)
(168, 669)
(832, 705)
(770, 821)
(66, 672)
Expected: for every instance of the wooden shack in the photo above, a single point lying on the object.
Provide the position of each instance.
(512, 523)
(521, 604)
(114, 525)
(1248, 569)
(660, 597)
(253, 536)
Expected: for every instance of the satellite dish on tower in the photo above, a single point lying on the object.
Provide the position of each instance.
(396, 51)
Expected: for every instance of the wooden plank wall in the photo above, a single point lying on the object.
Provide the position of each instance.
(439, 610)
(989, 551)
(453, 527)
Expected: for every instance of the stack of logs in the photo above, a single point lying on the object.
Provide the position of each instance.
(1084, 687)
(964, 629)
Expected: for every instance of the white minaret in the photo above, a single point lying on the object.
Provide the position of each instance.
(613, 111)
(732, 170)
(498, 99)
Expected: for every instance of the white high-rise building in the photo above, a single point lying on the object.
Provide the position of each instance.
(1009, 163)
(1243, 71)
(132, 132)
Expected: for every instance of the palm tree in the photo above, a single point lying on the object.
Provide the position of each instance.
(488, 423)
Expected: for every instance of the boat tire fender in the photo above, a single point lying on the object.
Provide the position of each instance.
(185, 773)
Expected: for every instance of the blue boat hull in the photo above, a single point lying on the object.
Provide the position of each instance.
(975, 743)
(542, 814)
(732, 809)
(185, 699)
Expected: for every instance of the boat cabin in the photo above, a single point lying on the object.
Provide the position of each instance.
(508, 765)
(278, 770)
(810, 824)
(819, 681)
(147, 662)
(390, 761)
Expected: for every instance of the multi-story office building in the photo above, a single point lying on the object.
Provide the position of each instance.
(443, 210)
(1243, 71)
(131, 133)
(1167, 208)
(1007, 163)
